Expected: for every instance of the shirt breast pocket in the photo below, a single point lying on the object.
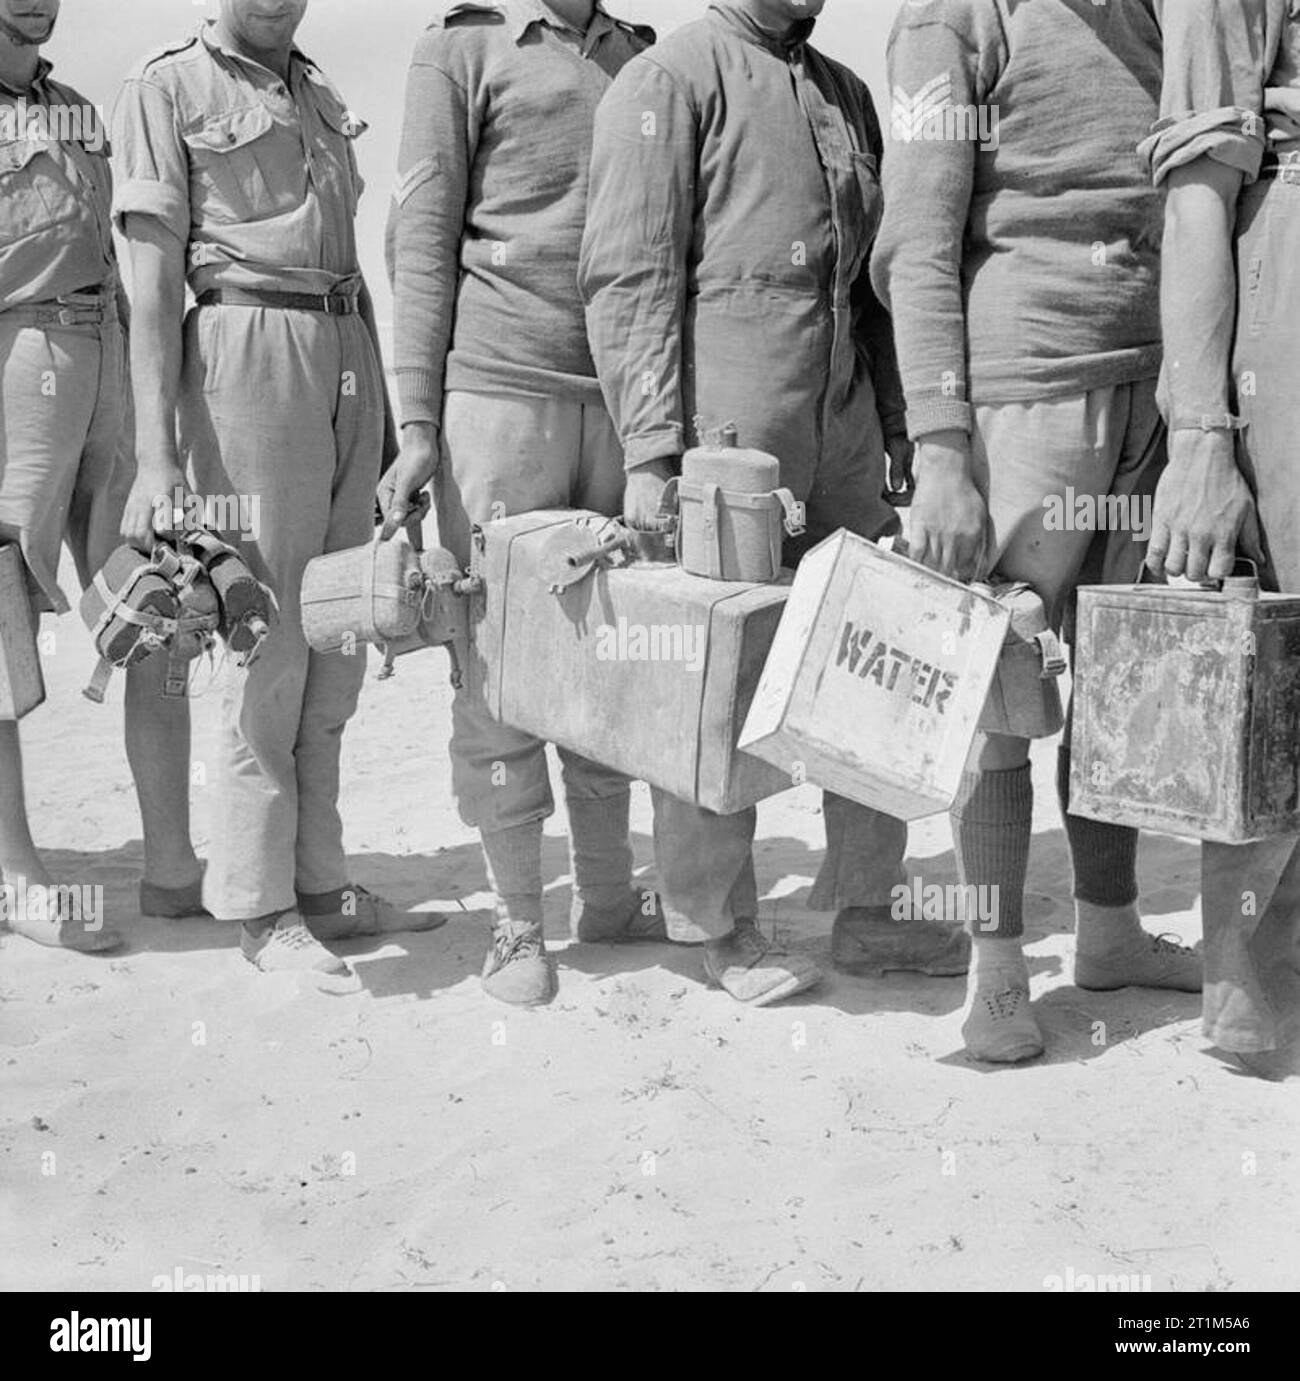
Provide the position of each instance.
(244, 167)
(35, 193)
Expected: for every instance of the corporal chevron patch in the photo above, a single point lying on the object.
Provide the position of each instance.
(908, 114)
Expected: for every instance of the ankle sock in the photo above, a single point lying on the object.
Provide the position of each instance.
(1104, 929)
(994, 959)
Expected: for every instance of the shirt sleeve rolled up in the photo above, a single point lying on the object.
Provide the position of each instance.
(151, 175)
(1217, 57)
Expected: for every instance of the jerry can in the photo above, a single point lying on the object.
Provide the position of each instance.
(1025, 697)
(733, 514)
(368, 594)
(581, 639)
(22, 687)
(877, 678)
(1187, 710)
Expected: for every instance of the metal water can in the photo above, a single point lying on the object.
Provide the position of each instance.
(22, 687)
(877, 678)
(580, 640)
(733, 513)
(1187, 710)
(367, 594)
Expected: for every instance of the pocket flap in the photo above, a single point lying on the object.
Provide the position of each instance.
(17, 154)
(231, 131)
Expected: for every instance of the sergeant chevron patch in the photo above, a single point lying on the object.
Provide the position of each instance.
(909, 114)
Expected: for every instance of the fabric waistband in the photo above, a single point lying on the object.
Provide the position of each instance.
(330, 304)
(87, 307)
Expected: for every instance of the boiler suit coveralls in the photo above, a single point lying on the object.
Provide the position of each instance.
(734, 200)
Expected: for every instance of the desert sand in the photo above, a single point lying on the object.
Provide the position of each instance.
(170, 1109)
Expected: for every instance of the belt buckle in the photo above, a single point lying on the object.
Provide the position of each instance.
(328, 302)
(67, 316)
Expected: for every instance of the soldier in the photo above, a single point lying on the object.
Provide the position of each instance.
(501, 406)
(1019, 256)
(734, 200)
(237, 174)
(65, 444)
(1226, 152)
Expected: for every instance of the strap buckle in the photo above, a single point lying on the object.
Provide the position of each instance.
(1206, 422)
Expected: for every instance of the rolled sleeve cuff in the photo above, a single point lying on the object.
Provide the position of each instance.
(664, 443)
(937, 415)
(419, 395)
(140, 197)
(1229, 135)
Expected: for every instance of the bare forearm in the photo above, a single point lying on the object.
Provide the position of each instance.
(157, 262)
(1199, 287)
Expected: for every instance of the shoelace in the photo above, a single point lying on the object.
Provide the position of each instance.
(295, 936)
(1003, 1004)
(362, 894)
(753, 941)
(1170, 944)
(516, 942)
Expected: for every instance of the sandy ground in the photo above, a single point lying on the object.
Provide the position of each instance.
(170, 1108)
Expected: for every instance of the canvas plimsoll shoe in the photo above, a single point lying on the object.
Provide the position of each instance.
(1143, 960)
(868, 945)
(517, 968)
(999, 1026)
(289, 947)
(360, 913)
(754, 970)
(62, 931)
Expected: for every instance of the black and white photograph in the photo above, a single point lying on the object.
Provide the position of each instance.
(649, 646)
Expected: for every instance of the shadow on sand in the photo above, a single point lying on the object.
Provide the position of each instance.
(1079, 1025)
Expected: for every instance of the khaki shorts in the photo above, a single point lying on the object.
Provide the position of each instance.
(1047, 470)
(66, 452)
